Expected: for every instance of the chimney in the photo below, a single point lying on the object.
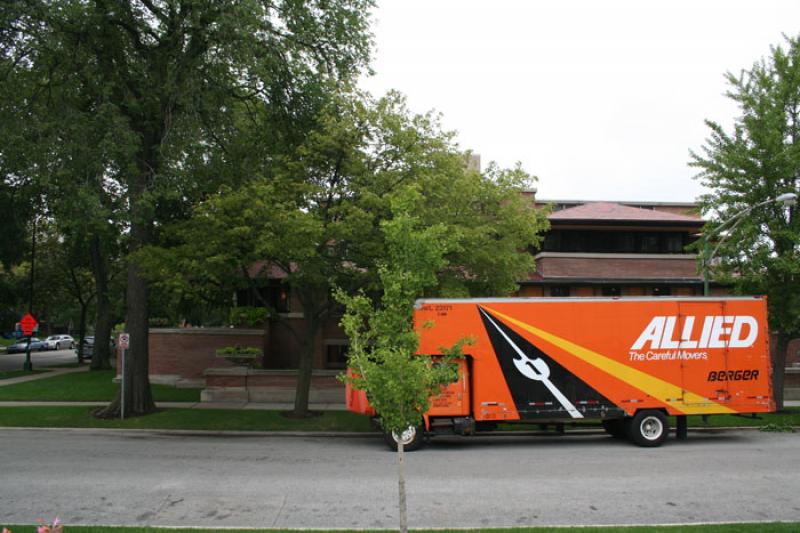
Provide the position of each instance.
(474, 162)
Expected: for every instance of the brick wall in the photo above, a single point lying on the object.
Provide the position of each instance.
(610, 267)
(188, 352)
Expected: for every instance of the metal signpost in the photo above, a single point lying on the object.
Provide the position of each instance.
(28, 325)
(123, 342)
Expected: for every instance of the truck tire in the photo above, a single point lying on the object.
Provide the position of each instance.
(413, 438)
(615, 427)
(648, 428)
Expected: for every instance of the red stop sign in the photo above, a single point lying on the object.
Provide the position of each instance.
(28, 324)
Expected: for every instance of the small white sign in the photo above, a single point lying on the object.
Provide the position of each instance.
(124, 341)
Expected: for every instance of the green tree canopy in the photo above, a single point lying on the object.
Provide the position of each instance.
(748, 167)
(319, 216)
(160, 101)
(383, 343)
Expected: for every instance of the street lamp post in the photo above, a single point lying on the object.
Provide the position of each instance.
(27, 365)
(787, 199)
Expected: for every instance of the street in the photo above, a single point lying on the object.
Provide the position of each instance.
(95, 477)
(14, 361)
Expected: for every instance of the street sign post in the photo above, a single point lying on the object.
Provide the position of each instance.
(123, 342)
(29, 326)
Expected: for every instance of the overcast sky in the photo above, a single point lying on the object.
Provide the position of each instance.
(601, 100)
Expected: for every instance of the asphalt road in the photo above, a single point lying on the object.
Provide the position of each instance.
(91, 477)
(14, 361)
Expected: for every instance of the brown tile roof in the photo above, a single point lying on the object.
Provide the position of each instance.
(266, 269)
(610, 211)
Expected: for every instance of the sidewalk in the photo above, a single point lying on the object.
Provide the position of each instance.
(252, 406)
(51, 373)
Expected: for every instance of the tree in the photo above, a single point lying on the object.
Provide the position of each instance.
(318, 217)
(383, 343)
(755, 162)
(174, 81)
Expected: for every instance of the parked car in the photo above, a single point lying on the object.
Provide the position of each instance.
(87, 345)
(37, 345)
(58, 342)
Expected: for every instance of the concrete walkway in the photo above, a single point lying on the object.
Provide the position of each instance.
(272, 406)
(51, 372)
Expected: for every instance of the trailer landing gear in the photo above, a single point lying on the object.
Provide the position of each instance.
(682, 430)
(615, 427)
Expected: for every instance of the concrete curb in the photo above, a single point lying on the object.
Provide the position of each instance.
(199, 432)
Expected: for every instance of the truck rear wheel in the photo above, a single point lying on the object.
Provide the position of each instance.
(648, 428)
(412, 438)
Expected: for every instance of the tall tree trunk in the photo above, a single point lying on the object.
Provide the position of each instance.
(138, 399)
(82, 329)
(101, 357)
(305, 367)
(401, 485)
(267, 326)
(778, 356)
(84, 303)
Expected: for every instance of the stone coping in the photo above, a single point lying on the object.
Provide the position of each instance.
(244, 371)
(209, 331)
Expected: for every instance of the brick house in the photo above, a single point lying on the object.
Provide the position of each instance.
(592, 249)
(617, 249)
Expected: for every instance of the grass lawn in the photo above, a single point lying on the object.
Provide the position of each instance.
(92, 386)
(19, 373)
(7, 342)
(715, 528)
(197, 419)
(789, 417)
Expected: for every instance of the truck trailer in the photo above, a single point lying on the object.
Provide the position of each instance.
(626, 362)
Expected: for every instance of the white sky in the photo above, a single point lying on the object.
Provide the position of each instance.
(601, 100)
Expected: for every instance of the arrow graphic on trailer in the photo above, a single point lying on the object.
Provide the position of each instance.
(534, 369)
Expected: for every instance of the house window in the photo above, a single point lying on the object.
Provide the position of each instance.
(559, 290)
(673, 242)
(648, 243)
(611, 290)
(274, 294)
(661, 290)
(336, 352)
(625, 242)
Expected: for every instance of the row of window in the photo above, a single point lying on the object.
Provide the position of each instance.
(616, 242)
(275, 296)
(612, 290)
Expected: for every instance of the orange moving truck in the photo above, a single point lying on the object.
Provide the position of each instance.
(628, 362)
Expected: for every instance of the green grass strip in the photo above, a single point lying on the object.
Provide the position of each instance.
(7, 342)
(227, 420)
(710, 528)
(790, 416)
(185, 419)
(91, 386)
